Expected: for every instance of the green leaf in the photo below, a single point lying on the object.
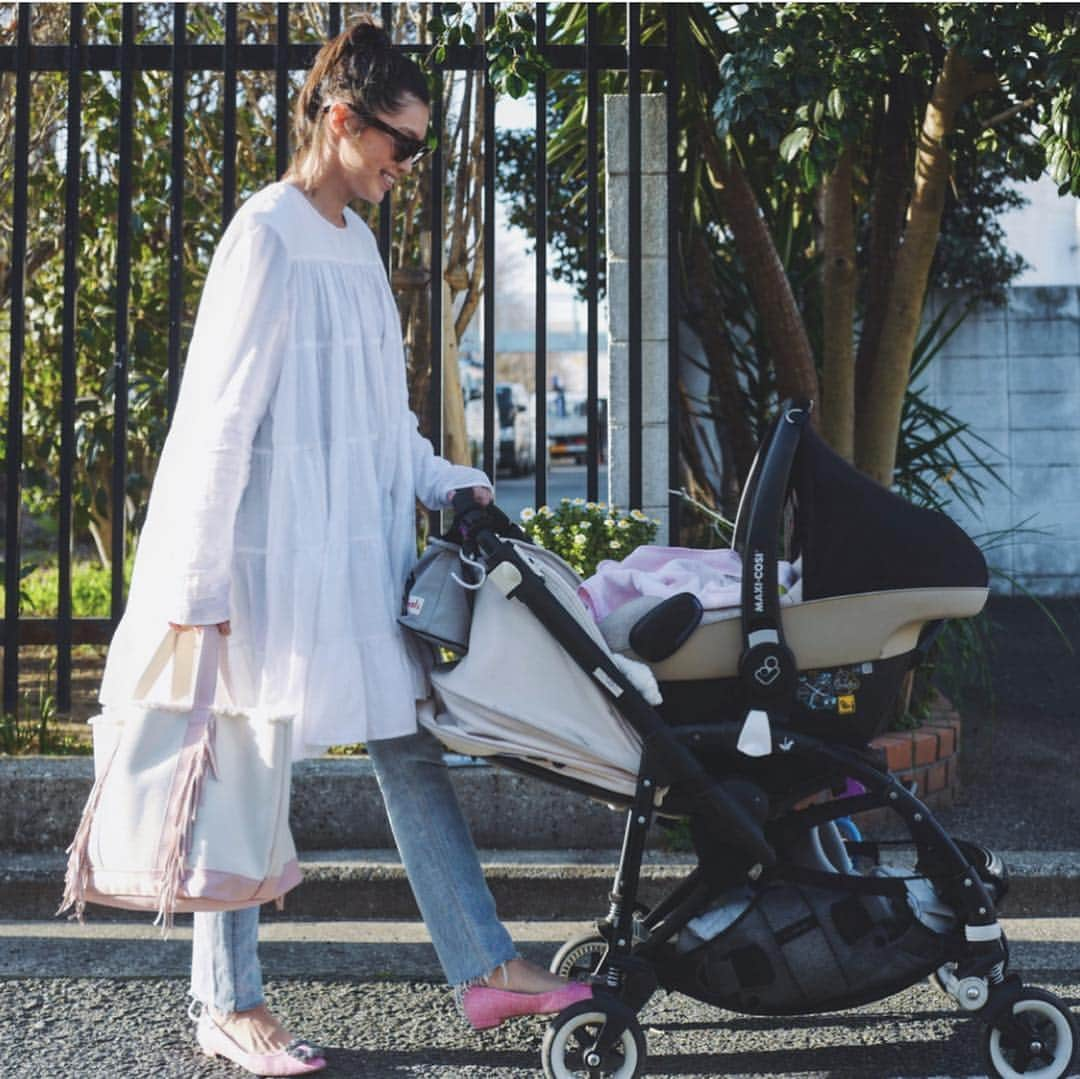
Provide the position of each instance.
(516, 86)
(795, 143)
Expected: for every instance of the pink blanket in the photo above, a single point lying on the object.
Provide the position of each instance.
(714, 576)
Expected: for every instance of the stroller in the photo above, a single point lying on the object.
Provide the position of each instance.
(785, 913)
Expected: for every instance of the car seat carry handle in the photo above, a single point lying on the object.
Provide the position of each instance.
(767, 669)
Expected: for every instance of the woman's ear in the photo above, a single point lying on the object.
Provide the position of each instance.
(341, 120)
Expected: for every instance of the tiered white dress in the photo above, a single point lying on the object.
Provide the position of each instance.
(285, 496)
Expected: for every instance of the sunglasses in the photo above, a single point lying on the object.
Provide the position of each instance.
(406, 147)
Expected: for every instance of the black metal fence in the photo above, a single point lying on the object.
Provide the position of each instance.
(24, 59)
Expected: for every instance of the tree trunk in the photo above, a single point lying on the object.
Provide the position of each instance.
(781, 320)
(455, 439)
(879, 428)
(101, 534)
(705, 304)
(891, 181)
(838, 368)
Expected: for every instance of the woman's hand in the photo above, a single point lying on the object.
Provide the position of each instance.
(223, 627)
(482, 496)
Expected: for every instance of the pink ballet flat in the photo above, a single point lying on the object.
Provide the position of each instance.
(297, 1058)
(485, 1007)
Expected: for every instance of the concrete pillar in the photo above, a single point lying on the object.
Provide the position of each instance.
(655, 405)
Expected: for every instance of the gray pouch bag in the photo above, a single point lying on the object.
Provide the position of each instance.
(437, 604)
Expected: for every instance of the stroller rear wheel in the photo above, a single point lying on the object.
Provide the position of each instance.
(1033, 1037)
(578, 1042)
(579, 956)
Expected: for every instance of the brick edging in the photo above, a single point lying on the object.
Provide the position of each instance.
(929, 755)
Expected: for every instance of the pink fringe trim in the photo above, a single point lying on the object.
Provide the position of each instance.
(196, 762)
(77, 876)
(199, 761)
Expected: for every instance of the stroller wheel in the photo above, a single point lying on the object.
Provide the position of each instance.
(575, 1046)
(579, 956)
(1034, 1037)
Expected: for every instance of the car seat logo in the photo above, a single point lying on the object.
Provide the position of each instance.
(759, 586)
(768, 672)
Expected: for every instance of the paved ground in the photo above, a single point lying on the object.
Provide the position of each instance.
(1020, 761)
(106, 1026)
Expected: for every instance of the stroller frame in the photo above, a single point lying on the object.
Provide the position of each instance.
(627, 973)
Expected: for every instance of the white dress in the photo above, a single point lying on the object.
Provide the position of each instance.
(285, 496)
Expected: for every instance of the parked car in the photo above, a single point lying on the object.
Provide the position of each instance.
(515, 430)
(568, 426)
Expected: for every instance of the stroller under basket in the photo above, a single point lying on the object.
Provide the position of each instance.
(760, 708)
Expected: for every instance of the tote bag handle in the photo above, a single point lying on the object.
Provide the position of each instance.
(179, 647)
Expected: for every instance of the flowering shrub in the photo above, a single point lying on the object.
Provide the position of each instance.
(585, 533)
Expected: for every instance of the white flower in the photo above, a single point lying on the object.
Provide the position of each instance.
(615, 545)
(590, 505)
(624, 525)
(528, 513)
(564, 500)
(579, 501)
(580, 540)
(545, 511)
(638, 515)
(584, 525)
(609, 522)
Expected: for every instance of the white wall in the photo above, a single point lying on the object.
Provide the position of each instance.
(1014, 374)
(1047, 233)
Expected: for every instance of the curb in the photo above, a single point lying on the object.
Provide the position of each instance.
(527, 885)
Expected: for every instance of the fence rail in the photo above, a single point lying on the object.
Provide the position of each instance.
(182, 58)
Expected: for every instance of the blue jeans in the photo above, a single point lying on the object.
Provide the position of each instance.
(439, 858)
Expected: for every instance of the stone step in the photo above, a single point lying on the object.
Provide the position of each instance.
(336, 804)
(560, 884)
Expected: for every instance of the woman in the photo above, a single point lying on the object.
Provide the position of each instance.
(283, 515)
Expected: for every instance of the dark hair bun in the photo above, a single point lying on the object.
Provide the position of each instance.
(368, 58)
(366, 36)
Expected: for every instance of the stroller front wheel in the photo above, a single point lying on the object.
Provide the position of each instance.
(1035, 1035)
(579, 1043)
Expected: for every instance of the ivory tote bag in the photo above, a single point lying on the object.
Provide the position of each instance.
(190, 806)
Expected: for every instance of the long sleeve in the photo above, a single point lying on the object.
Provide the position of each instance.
(232, 368)
(435, 476)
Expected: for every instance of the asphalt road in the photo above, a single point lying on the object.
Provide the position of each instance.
(391, 1018)
(564, 481)
(136, 1029)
